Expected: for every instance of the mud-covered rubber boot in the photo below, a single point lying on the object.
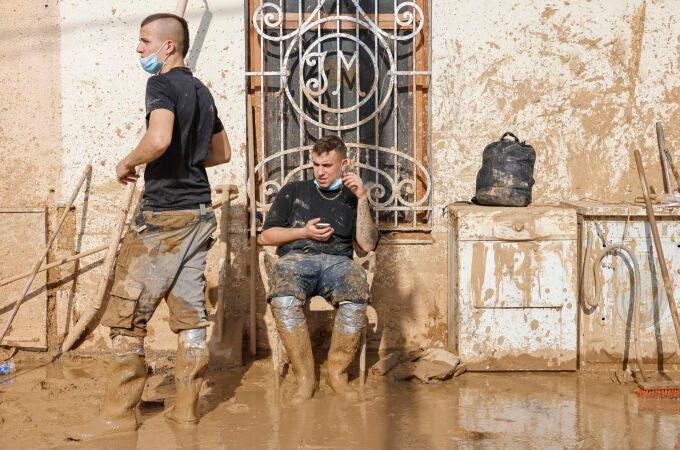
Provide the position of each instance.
(123, 392)
(340, 356)
(192, 360)
(292, 327)
(299, 349)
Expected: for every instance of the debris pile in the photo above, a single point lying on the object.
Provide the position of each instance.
(427, 365)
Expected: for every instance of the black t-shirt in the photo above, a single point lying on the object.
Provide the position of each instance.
(177, 180)
(300, 201)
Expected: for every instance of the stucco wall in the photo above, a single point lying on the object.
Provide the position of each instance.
(583, 82)
(30, 110)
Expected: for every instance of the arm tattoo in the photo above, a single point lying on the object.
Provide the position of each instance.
(367, 233)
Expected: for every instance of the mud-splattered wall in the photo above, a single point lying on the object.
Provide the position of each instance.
(582, 81)
(30, 109)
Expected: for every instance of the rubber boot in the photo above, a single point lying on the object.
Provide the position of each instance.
(299, 349)
(123, 391)
(189, 369)
(340, 356)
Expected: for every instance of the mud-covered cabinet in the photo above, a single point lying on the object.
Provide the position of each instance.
(512, 287)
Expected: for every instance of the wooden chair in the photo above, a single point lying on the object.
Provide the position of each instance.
(267, 260)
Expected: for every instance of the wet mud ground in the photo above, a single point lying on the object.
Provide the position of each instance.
(241, 409)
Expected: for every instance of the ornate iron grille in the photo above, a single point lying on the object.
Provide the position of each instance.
(359, 69)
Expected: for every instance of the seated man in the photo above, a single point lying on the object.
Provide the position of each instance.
(315, 223)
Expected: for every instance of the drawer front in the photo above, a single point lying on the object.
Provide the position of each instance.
(517, 305)
(515, 224)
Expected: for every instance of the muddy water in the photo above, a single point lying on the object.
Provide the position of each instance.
(241, 409)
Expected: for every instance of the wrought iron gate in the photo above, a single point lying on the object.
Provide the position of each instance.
(356, 68)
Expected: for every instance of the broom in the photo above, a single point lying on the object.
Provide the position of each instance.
(648, 389)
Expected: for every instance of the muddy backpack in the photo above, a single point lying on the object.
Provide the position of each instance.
(506, 176)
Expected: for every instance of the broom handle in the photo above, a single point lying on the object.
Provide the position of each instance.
(66, 260)
(252, 336)
(109, 259)
(43, 255)
(663, 159)
(657, 245)
(180, 7)
(673, 169)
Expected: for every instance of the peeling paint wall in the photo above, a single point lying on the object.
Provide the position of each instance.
(581, 81)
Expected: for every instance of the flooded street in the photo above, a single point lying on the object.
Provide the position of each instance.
(241, 409)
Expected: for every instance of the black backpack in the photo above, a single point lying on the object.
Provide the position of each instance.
(506, 176)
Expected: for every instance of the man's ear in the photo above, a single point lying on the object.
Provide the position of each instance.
(344, 165)
(172, 48)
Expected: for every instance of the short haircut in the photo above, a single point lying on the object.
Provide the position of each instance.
(180, 37)
(330, 143)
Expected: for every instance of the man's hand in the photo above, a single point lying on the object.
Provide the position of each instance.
(316, 233)
(355, 184)
(125, 173)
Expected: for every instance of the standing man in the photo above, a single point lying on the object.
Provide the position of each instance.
(164, 253)
(315, 224)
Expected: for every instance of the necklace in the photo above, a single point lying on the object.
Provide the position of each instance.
(329, 198)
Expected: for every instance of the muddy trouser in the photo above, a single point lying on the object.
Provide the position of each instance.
(162, 256)
(339, 279)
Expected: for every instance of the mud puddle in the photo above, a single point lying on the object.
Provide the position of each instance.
(241, 409)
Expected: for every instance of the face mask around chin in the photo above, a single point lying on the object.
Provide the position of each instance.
(335, 185)
(151, 63)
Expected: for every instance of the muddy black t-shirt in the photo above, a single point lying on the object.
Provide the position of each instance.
(177, 180)
(300, 201)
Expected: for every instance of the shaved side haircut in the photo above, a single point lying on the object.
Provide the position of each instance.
(330, 143)
(171, 27)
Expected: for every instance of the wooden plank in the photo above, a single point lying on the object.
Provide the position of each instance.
(254, 49)
(421, 139)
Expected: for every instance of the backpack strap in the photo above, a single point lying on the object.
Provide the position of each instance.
(507, 133)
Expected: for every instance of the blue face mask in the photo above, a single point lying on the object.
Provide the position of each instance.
(335, 185)
(151, 63)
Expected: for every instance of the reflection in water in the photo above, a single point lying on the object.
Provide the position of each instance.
(241, 408)
(186, 436)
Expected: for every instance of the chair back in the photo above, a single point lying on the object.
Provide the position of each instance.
(267, 262)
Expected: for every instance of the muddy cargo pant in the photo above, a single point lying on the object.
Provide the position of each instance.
(162, 256)
(339, 279)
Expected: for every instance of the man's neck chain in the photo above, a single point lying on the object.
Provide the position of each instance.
(329, 198)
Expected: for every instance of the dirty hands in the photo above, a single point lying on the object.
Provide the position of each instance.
(316, 233)
(125, 173)
(355, 184)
